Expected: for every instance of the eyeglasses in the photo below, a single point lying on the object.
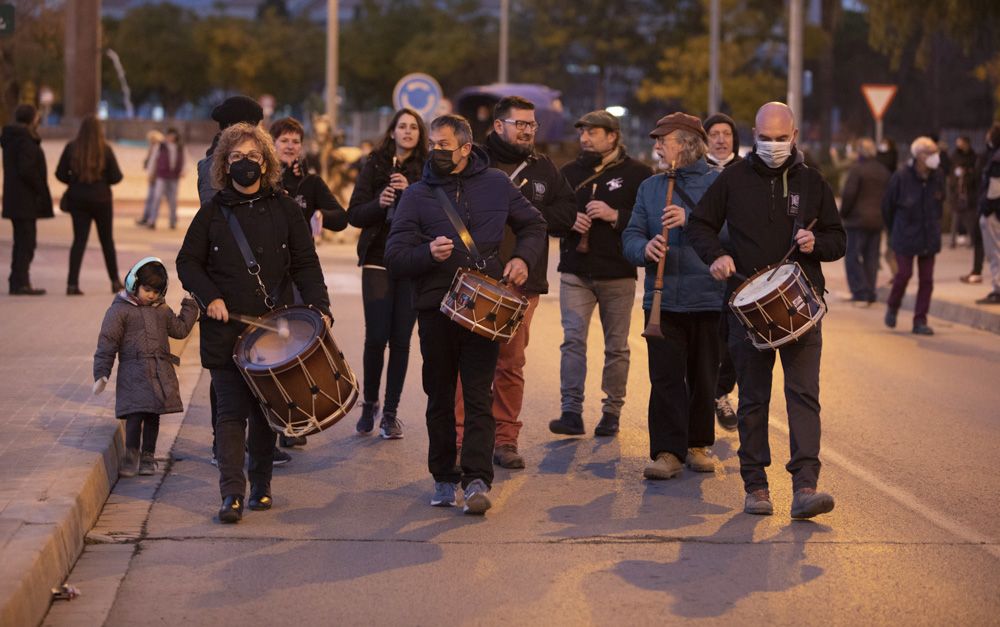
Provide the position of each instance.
(253, 155)
(522, 125)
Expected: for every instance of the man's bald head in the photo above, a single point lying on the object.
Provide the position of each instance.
(775, 122)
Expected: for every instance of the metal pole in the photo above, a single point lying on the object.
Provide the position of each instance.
(504, 40)
(83, 60)
(795, 26)
(332, 40)
(878, 131)
(713, 59)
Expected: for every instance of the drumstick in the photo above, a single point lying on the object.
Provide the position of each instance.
(521, 184)
(281, 328)
(790, 251)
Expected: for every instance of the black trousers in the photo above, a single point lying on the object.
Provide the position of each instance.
(683, 368)
(241, 427)
(144, 426)
(23, 251)
(800, 362)
(450, 351)
(389, 320)
(727, 371)
(100, 215)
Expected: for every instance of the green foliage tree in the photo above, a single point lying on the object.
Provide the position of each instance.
(905, 31)
(748, 47)
(157, 49)
(33, 56)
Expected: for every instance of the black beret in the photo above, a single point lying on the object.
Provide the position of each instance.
(237, 109)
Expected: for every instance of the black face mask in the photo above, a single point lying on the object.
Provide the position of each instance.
(245, 172)
(440, 161)
(589, 159)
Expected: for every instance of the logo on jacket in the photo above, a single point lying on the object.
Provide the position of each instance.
(614, 184)
(539, 188)
(793, 204)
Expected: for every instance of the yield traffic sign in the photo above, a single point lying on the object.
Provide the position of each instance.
(879, 98)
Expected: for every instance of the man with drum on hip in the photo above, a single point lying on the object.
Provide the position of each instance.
(459, 195)
(766, 200)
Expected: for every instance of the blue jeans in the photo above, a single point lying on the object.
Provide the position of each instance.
(614, 299)
(861, 263)
(163, 188)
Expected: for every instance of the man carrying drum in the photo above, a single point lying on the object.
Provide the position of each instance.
(459, 198)
(766, 200)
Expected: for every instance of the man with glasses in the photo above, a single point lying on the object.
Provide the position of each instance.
(422, 246)
(594, 272)
(511, 148)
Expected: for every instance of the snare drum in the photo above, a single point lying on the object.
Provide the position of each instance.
(484, 305)
(777, 310)
(302, 382)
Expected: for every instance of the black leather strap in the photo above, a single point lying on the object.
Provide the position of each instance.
(270, 298)
(459, 226)
(687, 199)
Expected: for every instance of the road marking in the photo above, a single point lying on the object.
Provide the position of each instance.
(901, 496)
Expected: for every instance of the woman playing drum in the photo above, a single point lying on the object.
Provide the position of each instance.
(250, 206)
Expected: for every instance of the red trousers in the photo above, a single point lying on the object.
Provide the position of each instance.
(508, 385)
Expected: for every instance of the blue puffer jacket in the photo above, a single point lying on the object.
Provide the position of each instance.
(687, 285)
(487, 202)
(912, 208)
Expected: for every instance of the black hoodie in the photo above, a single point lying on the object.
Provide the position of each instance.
(763, 207)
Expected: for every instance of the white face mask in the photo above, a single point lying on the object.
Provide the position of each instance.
(774, 153)
(933, 161)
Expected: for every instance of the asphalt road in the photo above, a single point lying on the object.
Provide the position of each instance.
(578, 537)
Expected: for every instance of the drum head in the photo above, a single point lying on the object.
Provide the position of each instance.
(760, 286)
(263, 349)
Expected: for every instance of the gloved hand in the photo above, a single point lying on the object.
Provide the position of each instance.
(99, 385)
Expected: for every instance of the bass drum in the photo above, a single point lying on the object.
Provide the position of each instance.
(302, 381)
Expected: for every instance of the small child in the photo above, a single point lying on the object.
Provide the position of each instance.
(136, 328)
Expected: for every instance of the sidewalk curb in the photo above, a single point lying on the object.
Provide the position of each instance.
(40, 545)
(968, 315)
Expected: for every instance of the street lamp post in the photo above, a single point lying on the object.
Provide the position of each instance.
(332, 41)
(713, 59)
(504, 40)
(795, 26)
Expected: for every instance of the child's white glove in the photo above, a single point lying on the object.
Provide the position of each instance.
(99, 385)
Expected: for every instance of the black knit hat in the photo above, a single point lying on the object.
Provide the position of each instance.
(237, 109)
(722, 118)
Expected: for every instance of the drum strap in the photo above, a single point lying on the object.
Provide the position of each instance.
(458, 225)
(270, 298)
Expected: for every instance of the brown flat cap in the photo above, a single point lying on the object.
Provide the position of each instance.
(599, 119)
(679, 122)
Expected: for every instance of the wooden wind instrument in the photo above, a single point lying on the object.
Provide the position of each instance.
(584, 245)
(652, 329)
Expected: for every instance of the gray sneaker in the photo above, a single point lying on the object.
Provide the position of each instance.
(391, 427)
(147, 464)
(444, 494)
(758, 502)
(807, 503)
(476, 499)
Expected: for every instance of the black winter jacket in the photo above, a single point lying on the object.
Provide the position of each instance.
(311, 194)
(25, 181)
(861, 200)
(486, 202)
(912, 208)
(364, 210)
(210, 265)
(545, 188)
(762, 215)
(84, 196)
(617, 185)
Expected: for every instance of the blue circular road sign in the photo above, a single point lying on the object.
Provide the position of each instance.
(419, 92)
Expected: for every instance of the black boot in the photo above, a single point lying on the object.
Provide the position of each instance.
(569, 423)
(231, 510)
(608, 426)
(366, 423)
(260, 498)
